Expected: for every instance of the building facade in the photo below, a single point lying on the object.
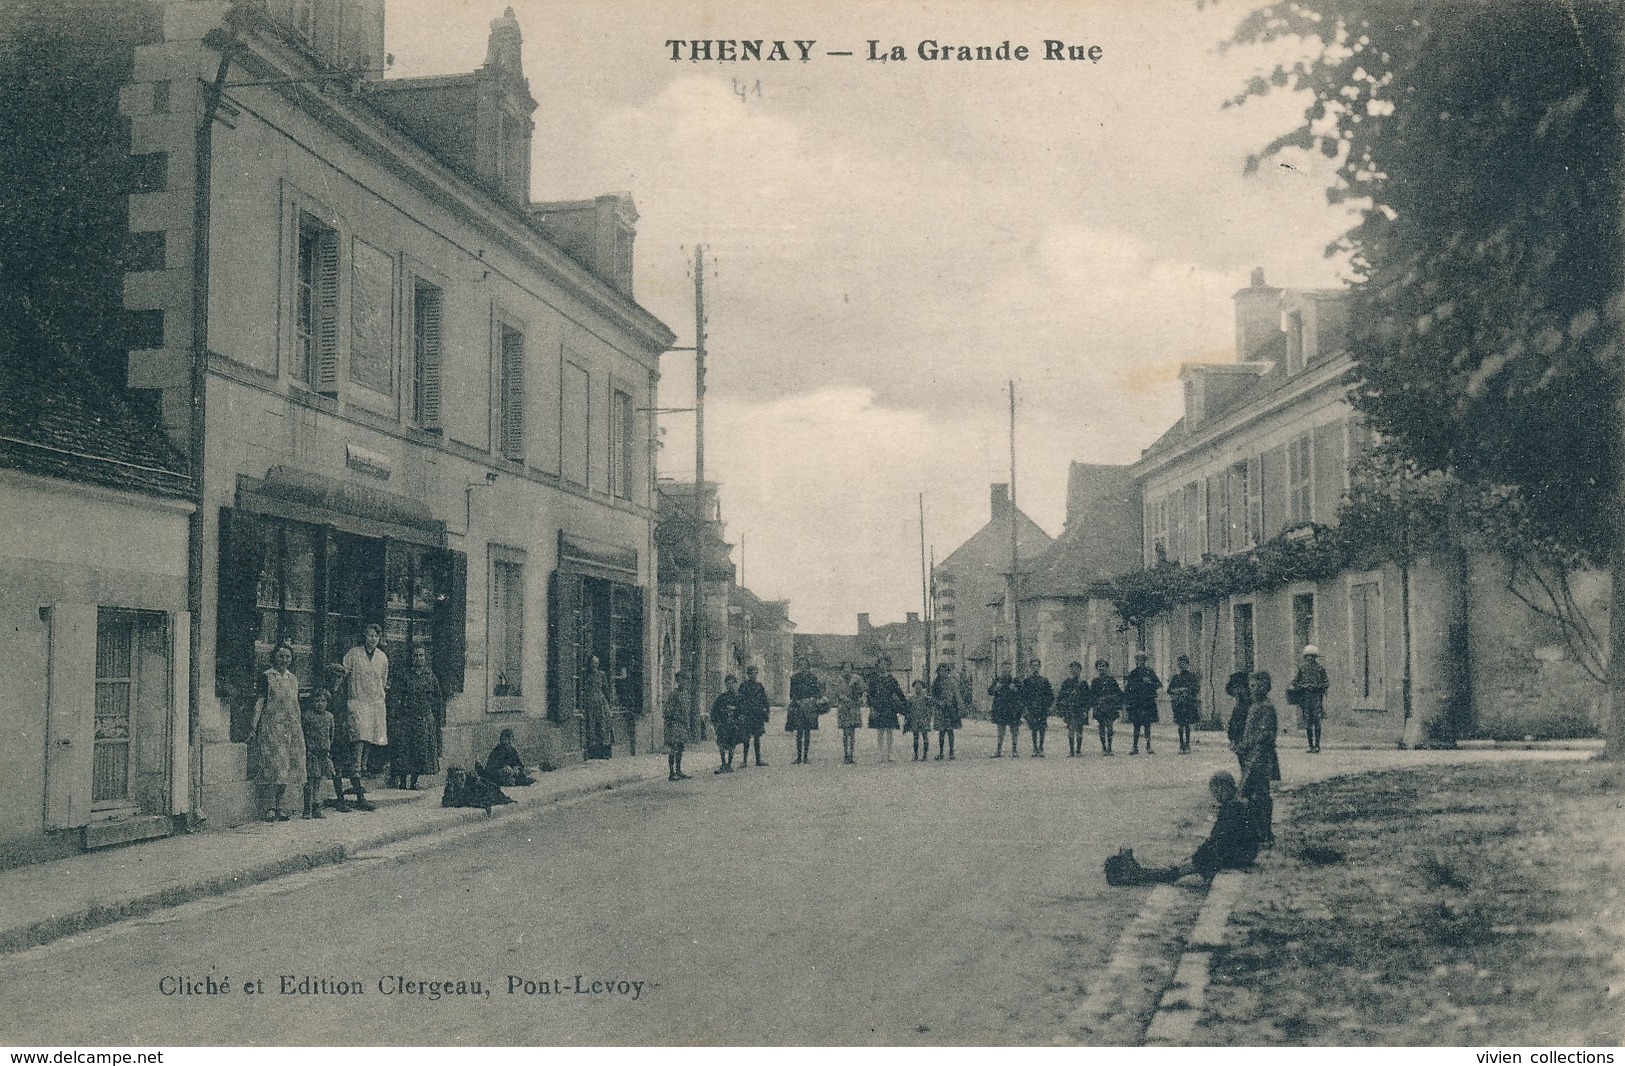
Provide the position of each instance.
(95, 500)
(407, 395)
(972, 609)
(1261, 459)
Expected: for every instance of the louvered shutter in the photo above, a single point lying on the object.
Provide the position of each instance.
(237, 621)
(429, 356)
(327, 312)
(449, 649)
(1255, 500)
(513, 394)
(563, 630)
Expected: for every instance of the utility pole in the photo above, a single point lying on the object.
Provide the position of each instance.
(1015, 551)
(697, 697)
(925, 594)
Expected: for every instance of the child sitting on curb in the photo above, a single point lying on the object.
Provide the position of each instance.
(1231, 845)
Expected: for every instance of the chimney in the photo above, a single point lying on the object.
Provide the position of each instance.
(503, 109)
(1258, 316)
(914, 618)
(1001, 500)
(863, 622)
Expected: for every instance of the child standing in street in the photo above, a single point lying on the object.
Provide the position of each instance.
(917, 720)
(849, 715)
(318, 726)
(948, 699)
(1107, 697)
(1184, 693)
(1073, 704)
(675, 721)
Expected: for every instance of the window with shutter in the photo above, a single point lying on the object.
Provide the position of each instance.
(511, 425)
(563, 643)
(427, 307)
(450, 618)
(1254, 472)
(316, 311)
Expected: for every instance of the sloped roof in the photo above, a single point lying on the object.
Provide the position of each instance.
(827, 649)
(994, 538)
(1102, 535)
(59, 420)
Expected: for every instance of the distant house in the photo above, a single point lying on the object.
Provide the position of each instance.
(974, 614)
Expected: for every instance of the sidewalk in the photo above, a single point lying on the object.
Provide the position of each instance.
(49, 900)
(1475, 901)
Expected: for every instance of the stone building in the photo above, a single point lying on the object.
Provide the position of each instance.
(408, 394)
(974, 615)
(95, 503)
(1261, 460)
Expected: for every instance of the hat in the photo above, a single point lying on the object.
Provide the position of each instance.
(1310, 649)
(1141, 655)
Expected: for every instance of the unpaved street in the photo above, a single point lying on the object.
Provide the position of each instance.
(896, 904)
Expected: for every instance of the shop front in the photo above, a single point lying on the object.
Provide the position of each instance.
(312, 561)
(596, 612)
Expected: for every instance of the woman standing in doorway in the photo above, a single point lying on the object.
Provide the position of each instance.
(595, 705)
(422, 714)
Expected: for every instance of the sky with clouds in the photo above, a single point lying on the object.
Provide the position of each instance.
(894, 242)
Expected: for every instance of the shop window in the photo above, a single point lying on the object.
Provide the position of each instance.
(411, 577)
(317, 588)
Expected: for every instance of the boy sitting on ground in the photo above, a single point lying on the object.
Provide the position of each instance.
(1231, 845)
(504, 766)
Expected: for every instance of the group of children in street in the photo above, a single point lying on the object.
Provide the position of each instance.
(1032, 700)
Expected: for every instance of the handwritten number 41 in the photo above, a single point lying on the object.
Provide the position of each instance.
(745, 91)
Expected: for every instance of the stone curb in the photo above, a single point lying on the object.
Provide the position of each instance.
(1185, 1000)
(106, 912)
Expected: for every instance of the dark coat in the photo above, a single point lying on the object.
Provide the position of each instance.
(1107, 697)
(1231, 845)
(805, 693)
(414, 742)
(1184, 693)
(1006, 693)
(1037, 696)
(1074, 701)
(950, 709)
(886, 700)
(1140, 690)
(1259, 764)
(753, 708)
(1238, 689)
(1308, 692)
(725, 718)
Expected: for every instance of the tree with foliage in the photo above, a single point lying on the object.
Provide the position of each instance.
(1485, 140)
